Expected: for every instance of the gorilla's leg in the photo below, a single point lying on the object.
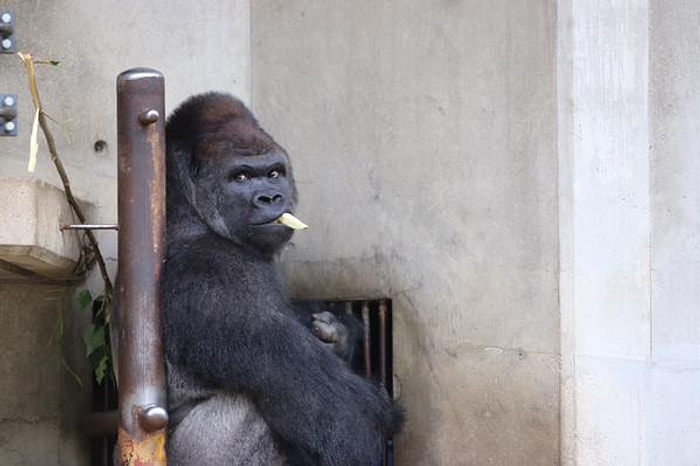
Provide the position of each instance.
(224, 430)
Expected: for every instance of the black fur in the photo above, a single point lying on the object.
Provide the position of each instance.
(248, 382)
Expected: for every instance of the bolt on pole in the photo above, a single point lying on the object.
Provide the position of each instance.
(141, 209)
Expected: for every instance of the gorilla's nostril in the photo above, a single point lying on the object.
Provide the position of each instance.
(269, 200)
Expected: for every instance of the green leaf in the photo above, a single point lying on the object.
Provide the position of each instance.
(84, 299)
(103, 313)
(94, 338)
(101, 368)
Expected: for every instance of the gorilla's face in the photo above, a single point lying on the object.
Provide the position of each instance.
(234, 175)
(241, 195)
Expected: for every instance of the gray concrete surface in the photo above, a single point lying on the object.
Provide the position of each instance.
(673, 424)
(604, 231)
(424, 143)
(629, 225)
(40, 401)
(34, 212)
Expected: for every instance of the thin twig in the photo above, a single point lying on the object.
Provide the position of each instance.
(28, 62)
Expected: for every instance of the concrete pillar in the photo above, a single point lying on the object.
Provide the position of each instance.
(628, 216)
(604, 229)
(674, 63)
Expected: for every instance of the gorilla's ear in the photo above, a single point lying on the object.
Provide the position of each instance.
(181, 172)
(194, 169)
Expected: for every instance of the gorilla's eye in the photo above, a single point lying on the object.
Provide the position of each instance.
(239, 177)
(274, 174)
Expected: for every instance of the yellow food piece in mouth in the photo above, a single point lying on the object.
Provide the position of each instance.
(292, 222)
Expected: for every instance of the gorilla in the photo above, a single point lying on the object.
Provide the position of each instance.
(248, 382)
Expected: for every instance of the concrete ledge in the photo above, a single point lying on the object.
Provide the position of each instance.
(31, 239)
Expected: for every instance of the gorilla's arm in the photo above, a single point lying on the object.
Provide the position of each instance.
(237, 333)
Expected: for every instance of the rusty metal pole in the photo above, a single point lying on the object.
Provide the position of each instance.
(141, 183)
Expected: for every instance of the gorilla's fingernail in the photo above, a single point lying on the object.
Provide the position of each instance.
(292, 222)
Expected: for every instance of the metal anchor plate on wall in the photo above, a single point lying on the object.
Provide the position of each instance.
(7, 32)
(8, 114)
(8, 102)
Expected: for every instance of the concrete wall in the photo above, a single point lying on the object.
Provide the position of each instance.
(629, 223)
(673, 425)
(40, 401)
(197, 49)
(605, 228)
(423, 137)
(95, 41)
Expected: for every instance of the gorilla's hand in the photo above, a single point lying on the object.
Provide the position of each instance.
(333, 333)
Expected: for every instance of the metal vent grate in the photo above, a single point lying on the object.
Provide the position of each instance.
(374, 360)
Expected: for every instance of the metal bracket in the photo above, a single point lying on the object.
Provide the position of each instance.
(8, 115)
(7, 32)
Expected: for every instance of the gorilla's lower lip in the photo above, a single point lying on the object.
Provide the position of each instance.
(266, 224)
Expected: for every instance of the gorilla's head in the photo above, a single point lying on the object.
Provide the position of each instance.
(227, 173)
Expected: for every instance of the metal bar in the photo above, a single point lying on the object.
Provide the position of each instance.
(382, 342)
(89, 227)
(141, 207)
(366, 340)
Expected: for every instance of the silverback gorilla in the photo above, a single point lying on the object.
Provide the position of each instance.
(248, 383)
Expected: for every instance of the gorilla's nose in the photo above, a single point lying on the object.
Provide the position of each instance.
(263, 200)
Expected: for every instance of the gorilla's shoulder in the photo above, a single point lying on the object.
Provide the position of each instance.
(203, 256)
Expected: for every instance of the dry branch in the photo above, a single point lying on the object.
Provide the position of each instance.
(29, 62)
